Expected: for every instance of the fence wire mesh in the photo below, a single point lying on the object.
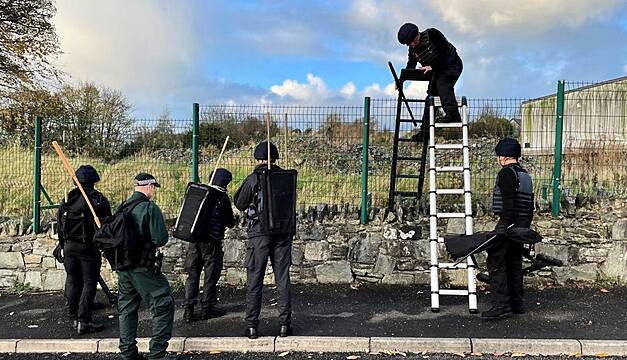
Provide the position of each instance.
(324, 143)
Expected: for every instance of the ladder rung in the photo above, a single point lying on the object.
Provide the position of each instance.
(414, 100)
(408, 121)
(453, 292)
(438, 102)
(449, 168)
(406, 193)
(450, 266)
(449, 191)
(451, 215)
(441, 240)
(407, 176)
(449, 125)
(409, 158)
(449, 146)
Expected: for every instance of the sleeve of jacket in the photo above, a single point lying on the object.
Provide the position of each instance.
(156, 225)
(411, 61)
(438, 39)
(59, 230)
(506, 181)
(244, 195)
(227, 212)
(105, 208)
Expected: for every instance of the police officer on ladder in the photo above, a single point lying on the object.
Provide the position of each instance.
(82, 258)
(261, 246)
(513, 202)
(144, 281)
(439, 57)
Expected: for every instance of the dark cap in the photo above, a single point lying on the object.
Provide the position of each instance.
(143, 179)
(261, 151)
(407, 33)
(87, 175)
(508, 147)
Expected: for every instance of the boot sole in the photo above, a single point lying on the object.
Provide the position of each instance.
(498, 316)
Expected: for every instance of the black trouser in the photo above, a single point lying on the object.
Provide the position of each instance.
(442, 84)
(80, 284)
(208, 256)
(279, 250)
(506, 278)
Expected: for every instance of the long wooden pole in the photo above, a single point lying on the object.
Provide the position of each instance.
(268, 140)
(218, 162)
(72, 174)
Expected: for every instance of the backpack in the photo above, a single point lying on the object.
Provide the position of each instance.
(119, 240)
(75, 220)
(192, 223)
(275, 200)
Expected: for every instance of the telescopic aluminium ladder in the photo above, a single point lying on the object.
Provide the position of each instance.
(434, 214)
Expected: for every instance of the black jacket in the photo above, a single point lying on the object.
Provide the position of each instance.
(244, 201)
(445, 52)
(76, 202)
(220, 217)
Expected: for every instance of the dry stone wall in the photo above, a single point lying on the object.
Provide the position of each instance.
(332, 247)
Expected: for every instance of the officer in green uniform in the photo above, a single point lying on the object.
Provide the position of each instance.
(145, 281)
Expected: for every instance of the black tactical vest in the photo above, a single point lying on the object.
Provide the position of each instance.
(425, 52)
(523, 202)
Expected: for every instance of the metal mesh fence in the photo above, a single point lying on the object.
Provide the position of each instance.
(324, 143)
(594, 141)
(160, 147)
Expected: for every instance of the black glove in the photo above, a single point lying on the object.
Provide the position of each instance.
(501, 230)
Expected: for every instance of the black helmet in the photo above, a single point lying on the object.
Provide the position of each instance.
(261, 151)
(87, 175)
(508, 147)
(407, 33)
(222, 177)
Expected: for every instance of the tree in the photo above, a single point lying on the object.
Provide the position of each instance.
(491, 124)
(28, 41)
(87, 119)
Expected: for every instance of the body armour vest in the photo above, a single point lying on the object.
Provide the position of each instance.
(523, 201)
(427, 54)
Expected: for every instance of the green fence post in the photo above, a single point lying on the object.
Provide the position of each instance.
(195, 131)
(37, 177)
(364, 162)
(557, 165)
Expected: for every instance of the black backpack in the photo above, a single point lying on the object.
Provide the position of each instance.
(275, 199)
(75, 220)
(119, 239)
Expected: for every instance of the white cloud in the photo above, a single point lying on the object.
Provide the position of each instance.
(529, 16)
(314, 90)
(348, 90)
(139, 46)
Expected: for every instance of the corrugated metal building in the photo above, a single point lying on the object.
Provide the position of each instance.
(594, 115)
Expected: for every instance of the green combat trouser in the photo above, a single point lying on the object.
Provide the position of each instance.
(134, 286)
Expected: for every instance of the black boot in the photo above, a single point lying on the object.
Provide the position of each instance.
(188, 314)
(212, 312)
(496, 312)
(286, 331)
(251, 332)
(518, 309)
(88, 327)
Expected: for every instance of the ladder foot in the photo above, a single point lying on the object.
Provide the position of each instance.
(473, 311)
(435, 310)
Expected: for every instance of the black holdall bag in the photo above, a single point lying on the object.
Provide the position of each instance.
(119, 239)
(276, 201)
(200, 201)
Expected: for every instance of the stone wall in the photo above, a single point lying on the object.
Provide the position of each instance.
(332, 247)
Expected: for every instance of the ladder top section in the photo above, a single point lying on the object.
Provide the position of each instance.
(414, 75)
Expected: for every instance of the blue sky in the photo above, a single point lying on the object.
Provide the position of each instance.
(168, 54)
